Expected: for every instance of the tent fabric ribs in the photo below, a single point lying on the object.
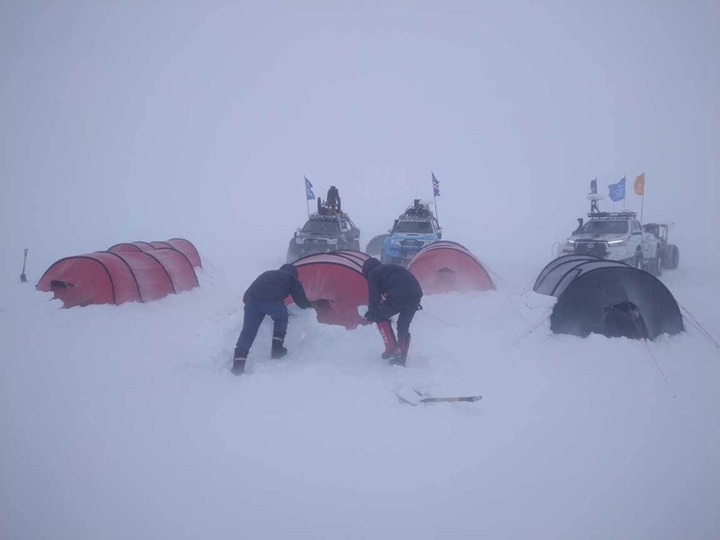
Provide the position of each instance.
(609, 298)
(126, 272)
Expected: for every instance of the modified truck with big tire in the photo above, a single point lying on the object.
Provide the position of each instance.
(617, 236)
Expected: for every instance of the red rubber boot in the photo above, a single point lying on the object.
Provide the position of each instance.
(388, 336)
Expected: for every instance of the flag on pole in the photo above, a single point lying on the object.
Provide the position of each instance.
(640, 184)
(309, 190)
(617, 191)
(593, 186)
(436, 185)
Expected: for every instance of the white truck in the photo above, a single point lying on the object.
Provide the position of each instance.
(617, 236)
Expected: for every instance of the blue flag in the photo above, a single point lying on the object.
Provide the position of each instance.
(617, 191)
(308, 190)
(436, 185)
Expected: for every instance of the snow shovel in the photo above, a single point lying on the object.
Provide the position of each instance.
(410, 396)
(23, 277)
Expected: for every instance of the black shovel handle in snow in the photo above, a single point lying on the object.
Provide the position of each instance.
(23, 277)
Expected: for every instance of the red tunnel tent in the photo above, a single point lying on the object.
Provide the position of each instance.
(444, 267)
(183, 246)
(136, 272)
(96, 278)
(188, 249)
(337, 277)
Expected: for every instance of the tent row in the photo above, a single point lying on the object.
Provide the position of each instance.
(130, 272)
(337, 278)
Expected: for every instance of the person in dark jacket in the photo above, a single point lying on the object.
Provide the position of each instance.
(266, 296)
(392, 290)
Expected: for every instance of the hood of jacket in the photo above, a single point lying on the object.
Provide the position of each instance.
(290, 269)
(369, 265)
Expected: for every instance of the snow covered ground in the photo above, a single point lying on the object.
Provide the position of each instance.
(123, 422)
(145, 121)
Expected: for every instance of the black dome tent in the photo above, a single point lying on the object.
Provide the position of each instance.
(607, 297)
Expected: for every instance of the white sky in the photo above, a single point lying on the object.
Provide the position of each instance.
(127, 121)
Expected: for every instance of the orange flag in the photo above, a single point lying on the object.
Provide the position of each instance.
(640, 184)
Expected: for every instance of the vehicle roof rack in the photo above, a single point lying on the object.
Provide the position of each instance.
(624, 214)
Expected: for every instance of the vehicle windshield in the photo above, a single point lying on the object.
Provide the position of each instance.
(605, 227)
(322, 227)
(414, 227)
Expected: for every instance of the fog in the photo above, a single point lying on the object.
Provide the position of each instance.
(143, 121)
(125, 122)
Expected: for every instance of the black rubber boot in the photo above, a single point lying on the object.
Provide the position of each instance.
(239, 359)
(278, 351)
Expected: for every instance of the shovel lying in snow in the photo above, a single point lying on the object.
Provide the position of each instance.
(410, 396)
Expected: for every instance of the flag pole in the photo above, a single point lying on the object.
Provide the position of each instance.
(625, 189)
(642, 205)
(432, 175)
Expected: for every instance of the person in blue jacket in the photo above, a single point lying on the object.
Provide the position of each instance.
(392, 290)
(266, 296)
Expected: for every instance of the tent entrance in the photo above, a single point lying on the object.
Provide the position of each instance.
(624, 320)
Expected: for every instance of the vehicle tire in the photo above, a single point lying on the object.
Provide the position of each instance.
(657, 268)
(667, 256)
(638, 260)
(674, 257)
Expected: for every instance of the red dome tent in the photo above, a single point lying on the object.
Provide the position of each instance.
(137, 272)
(336, 277)
(445, 267)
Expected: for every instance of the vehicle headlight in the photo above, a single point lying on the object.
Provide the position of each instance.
(616, 242)
(332, 240)
(395, 242)
(570, 242)
(298, 240)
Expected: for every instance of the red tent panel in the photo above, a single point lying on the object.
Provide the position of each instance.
(96, 278)
(153, 279)
(188, 249)
(335, 257)
(161, 245)
(446, 267)
(118, 248)
(179, 267)
(338, 281)
(144, 246)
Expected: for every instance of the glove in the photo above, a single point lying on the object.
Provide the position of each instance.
(370, 315)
